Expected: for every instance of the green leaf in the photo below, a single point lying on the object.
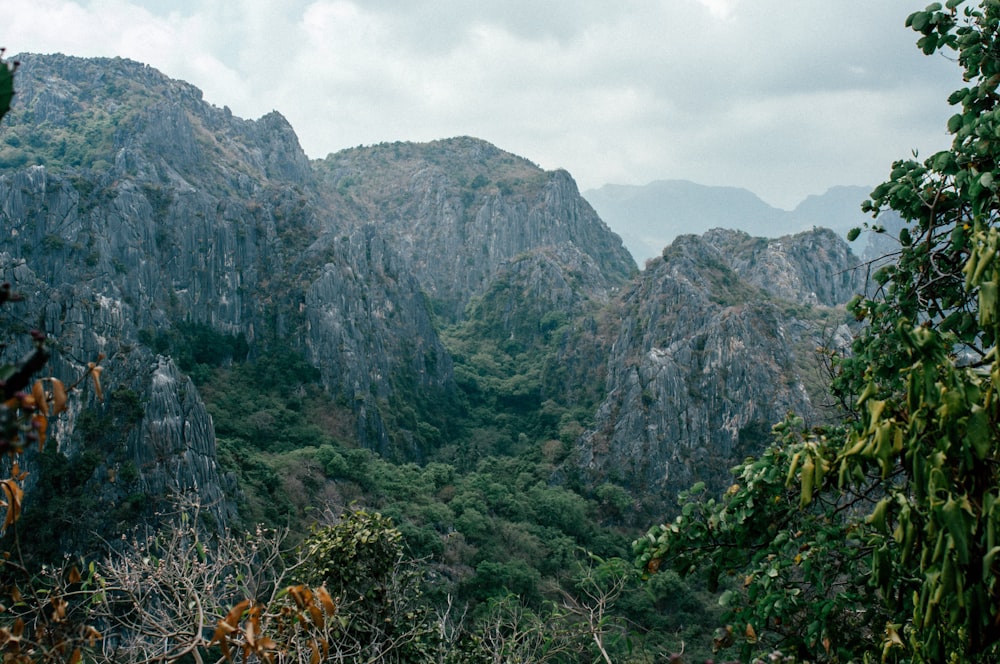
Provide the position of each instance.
(954, 520)
(904, 237)
(6, 86)
(977, 433)
(954, 124)
(928, 43)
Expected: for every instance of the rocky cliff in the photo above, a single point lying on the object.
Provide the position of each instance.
(430, 286)
(130, 206)
(715, 345)
(458, 209)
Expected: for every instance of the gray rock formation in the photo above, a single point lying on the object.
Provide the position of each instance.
(128, 206)
(459, 209)
(711, 352)
(815, 268)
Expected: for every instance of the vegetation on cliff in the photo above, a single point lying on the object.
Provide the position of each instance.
(878, 539)
(431, 446)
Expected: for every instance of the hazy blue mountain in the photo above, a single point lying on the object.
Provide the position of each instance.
(649, 217)
(839, 209)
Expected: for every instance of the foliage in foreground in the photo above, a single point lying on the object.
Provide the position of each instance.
(881, 541)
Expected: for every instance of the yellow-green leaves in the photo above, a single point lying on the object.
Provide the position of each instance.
(811, 468)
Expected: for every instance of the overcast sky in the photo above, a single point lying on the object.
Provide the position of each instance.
(784, 98)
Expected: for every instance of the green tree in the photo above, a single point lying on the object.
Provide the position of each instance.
(6, 84)
(881, 540)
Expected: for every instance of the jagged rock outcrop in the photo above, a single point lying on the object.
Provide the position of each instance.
(708, 358)
(150, 435)
(135, 205)
(459, 209)
(174, 446)
(365, 312)
(129, 205)
(815, 267)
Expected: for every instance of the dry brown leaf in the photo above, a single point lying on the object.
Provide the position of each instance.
(41, 402)
(233, 618)
(317, 615)
(13, 492)
(59, 606)
(95, 375)
(326, 600)
(220, 637)
(59, 397)
(301, 595)
(252, 628)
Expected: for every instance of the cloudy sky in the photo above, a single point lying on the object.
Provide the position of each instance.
(784, 98)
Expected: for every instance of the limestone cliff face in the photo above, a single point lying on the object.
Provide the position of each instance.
(809, 268)
(368, 329)
(151, 434)
(709, 355)
(129, 204)
(458, 209)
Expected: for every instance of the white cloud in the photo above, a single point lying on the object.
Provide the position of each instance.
(784, 100)
(720, 8)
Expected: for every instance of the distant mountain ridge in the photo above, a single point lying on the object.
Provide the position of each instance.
(649, 217)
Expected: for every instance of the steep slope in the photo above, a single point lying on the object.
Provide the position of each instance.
(458, 209)
(814, 267)
(135, 211)
(130, 205)
(714, 347)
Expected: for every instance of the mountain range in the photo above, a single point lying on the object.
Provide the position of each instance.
(649, 217)
(443, 302)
